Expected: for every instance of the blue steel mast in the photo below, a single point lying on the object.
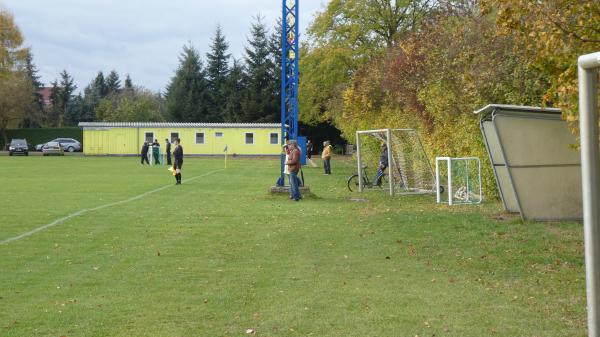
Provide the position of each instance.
(289, 75)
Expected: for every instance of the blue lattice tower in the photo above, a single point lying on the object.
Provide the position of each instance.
(289, 76)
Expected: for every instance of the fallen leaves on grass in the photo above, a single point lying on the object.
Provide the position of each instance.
(412, 251)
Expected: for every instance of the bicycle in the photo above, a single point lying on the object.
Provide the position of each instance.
(353, 181)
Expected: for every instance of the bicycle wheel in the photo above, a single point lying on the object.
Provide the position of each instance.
(353, 183)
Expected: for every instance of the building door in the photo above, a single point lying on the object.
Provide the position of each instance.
(219, 142)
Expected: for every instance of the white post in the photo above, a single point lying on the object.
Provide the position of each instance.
(437, 180)
(449, 181)
(390, 161)
(360, 177)
(590, 167)
(480, 182)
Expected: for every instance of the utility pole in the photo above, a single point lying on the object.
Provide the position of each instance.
(289, 76)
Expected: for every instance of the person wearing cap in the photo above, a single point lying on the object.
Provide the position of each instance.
(168, 151)
(293, 164)
(326, 156)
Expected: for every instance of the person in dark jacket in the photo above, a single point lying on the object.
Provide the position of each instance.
(145, 153)
(293, 165)
(168, 151)
(178, 156)
(383, 164)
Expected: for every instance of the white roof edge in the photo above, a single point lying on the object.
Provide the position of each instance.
(175, 125)
(524, 108)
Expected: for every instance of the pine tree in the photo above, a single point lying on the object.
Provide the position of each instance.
(233, 93)
(217, 70)
(188, 96)
(35, 112)
(93, 93)
(128, 83)
(275, 55)
(99, 86)
(53, 117)
(113, 83)
(61, 96)
(76, 111)
(259, 103)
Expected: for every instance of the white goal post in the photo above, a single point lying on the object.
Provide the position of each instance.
(409, 170)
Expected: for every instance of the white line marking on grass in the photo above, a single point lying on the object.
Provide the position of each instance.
(80, 212)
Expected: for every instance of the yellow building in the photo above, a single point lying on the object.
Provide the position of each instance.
(105, 138)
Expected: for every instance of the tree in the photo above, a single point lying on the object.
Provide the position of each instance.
(259, 102)
(233, 92)
(552, 34)
(128, 83)
(35, 114)
(15, 86)
(113, 83)
(187, 95)
(76, 111)
(217, 70)
(64, 94)
(345, 36)
(136, 105)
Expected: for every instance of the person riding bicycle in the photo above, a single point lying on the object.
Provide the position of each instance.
(383, 164)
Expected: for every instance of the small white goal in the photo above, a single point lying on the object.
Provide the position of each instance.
(458, 180)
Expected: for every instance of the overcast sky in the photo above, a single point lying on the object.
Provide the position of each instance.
(139, 37)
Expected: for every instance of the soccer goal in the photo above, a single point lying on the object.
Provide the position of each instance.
(408, 169)
(458, 180)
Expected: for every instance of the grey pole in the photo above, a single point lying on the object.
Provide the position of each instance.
(590, 168)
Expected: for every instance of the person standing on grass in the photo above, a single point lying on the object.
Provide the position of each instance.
(326, 156)
(156, 151)
(309, 151)
(178, 156)
(168, 151)
(383, 164)
(293, 164)
(145, 153)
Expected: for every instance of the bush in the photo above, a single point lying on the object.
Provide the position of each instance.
(39, 136)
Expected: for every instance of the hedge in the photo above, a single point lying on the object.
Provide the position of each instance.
(39, 136)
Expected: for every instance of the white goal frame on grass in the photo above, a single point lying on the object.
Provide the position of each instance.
(394, 162)
(469, 181)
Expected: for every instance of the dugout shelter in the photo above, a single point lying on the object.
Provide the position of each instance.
(537, 169)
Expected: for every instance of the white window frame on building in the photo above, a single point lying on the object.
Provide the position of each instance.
(251, 138)
(203, 137)
(171, 138)
(146, 133)
(276, 138)
(219, 134)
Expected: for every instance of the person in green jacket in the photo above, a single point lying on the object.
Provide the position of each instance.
(156, 151)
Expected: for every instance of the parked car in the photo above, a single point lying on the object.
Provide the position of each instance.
(68, 144)
(18, 146)
(53, 149)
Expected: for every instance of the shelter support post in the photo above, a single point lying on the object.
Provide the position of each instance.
(590, 166)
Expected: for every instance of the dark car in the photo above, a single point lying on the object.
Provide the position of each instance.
(18, 146)
(68, 144)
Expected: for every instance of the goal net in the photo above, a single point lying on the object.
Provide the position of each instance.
(408, 171)
(458, 180)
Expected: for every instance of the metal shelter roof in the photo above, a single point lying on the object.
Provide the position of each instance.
(516, 108)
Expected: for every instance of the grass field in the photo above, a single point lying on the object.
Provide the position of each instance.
(219, 255)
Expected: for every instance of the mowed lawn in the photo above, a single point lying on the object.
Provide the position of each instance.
(219, 255)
